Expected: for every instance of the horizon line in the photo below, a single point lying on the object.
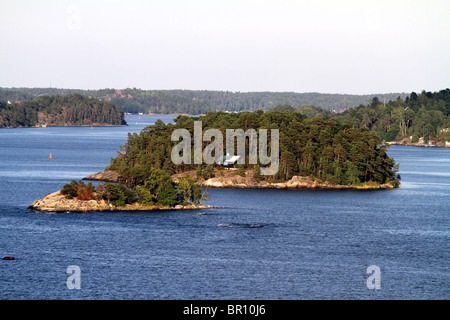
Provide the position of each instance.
(221, 90)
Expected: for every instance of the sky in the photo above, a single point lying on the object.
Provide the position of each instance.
(326, 46)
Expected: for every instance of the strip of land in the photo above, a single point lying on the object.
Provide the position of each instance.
(57, 202)
(230, 179)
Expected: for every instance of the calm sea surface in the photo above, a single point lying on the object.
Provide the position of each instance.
(266, 244)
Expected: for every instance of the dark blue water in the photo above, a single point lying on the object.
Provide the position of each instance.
(266, 244)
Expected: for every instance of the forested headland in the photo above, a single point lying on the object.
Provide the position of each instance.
(67, 110)
(423, 117)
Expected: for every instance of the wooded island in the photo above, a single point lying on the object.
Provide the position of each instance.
(313, 153)
(68, 110)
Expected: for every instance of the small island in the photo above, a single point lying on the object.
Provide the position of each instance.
(58, 202)
(60, 111)
(161, 195)
(314, 153)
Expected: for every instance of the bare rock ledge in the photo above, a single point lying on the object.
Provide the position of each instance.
(106, 176)
(231, 180)
(296, 182)
(56, 202)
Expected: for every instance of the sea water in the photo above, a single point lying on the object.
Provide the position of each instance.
(265, 244)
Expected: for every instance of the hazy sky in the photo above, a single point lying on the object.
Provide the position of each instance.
(358, 47)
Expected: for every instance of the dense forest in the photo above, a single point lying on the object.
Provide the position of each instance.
(68, 110)
(425, 115)
(129, 100)
(318, 148)
(394, 116)
(158, 102)
(252, 101)
(197, 102)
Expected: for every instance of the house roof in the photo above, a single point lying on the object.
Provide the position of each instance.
(231, 159)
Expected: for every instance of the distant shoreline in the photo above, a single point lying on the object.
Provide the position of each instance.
(410, 144)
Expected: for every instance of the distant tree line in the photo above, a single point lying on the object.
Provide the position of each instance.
(158, 102)
(196, 102)
(129, 100)
(68, 110)
(252, 101)
(391, 116)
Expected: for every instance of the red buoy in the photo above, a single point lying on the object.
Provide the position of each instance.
(51, 156)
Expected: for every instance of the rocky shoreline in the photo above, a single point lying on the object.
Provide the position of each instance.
(57, 202)
(420, 143)
(105, 176)
(231, 180)
(296, 182)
